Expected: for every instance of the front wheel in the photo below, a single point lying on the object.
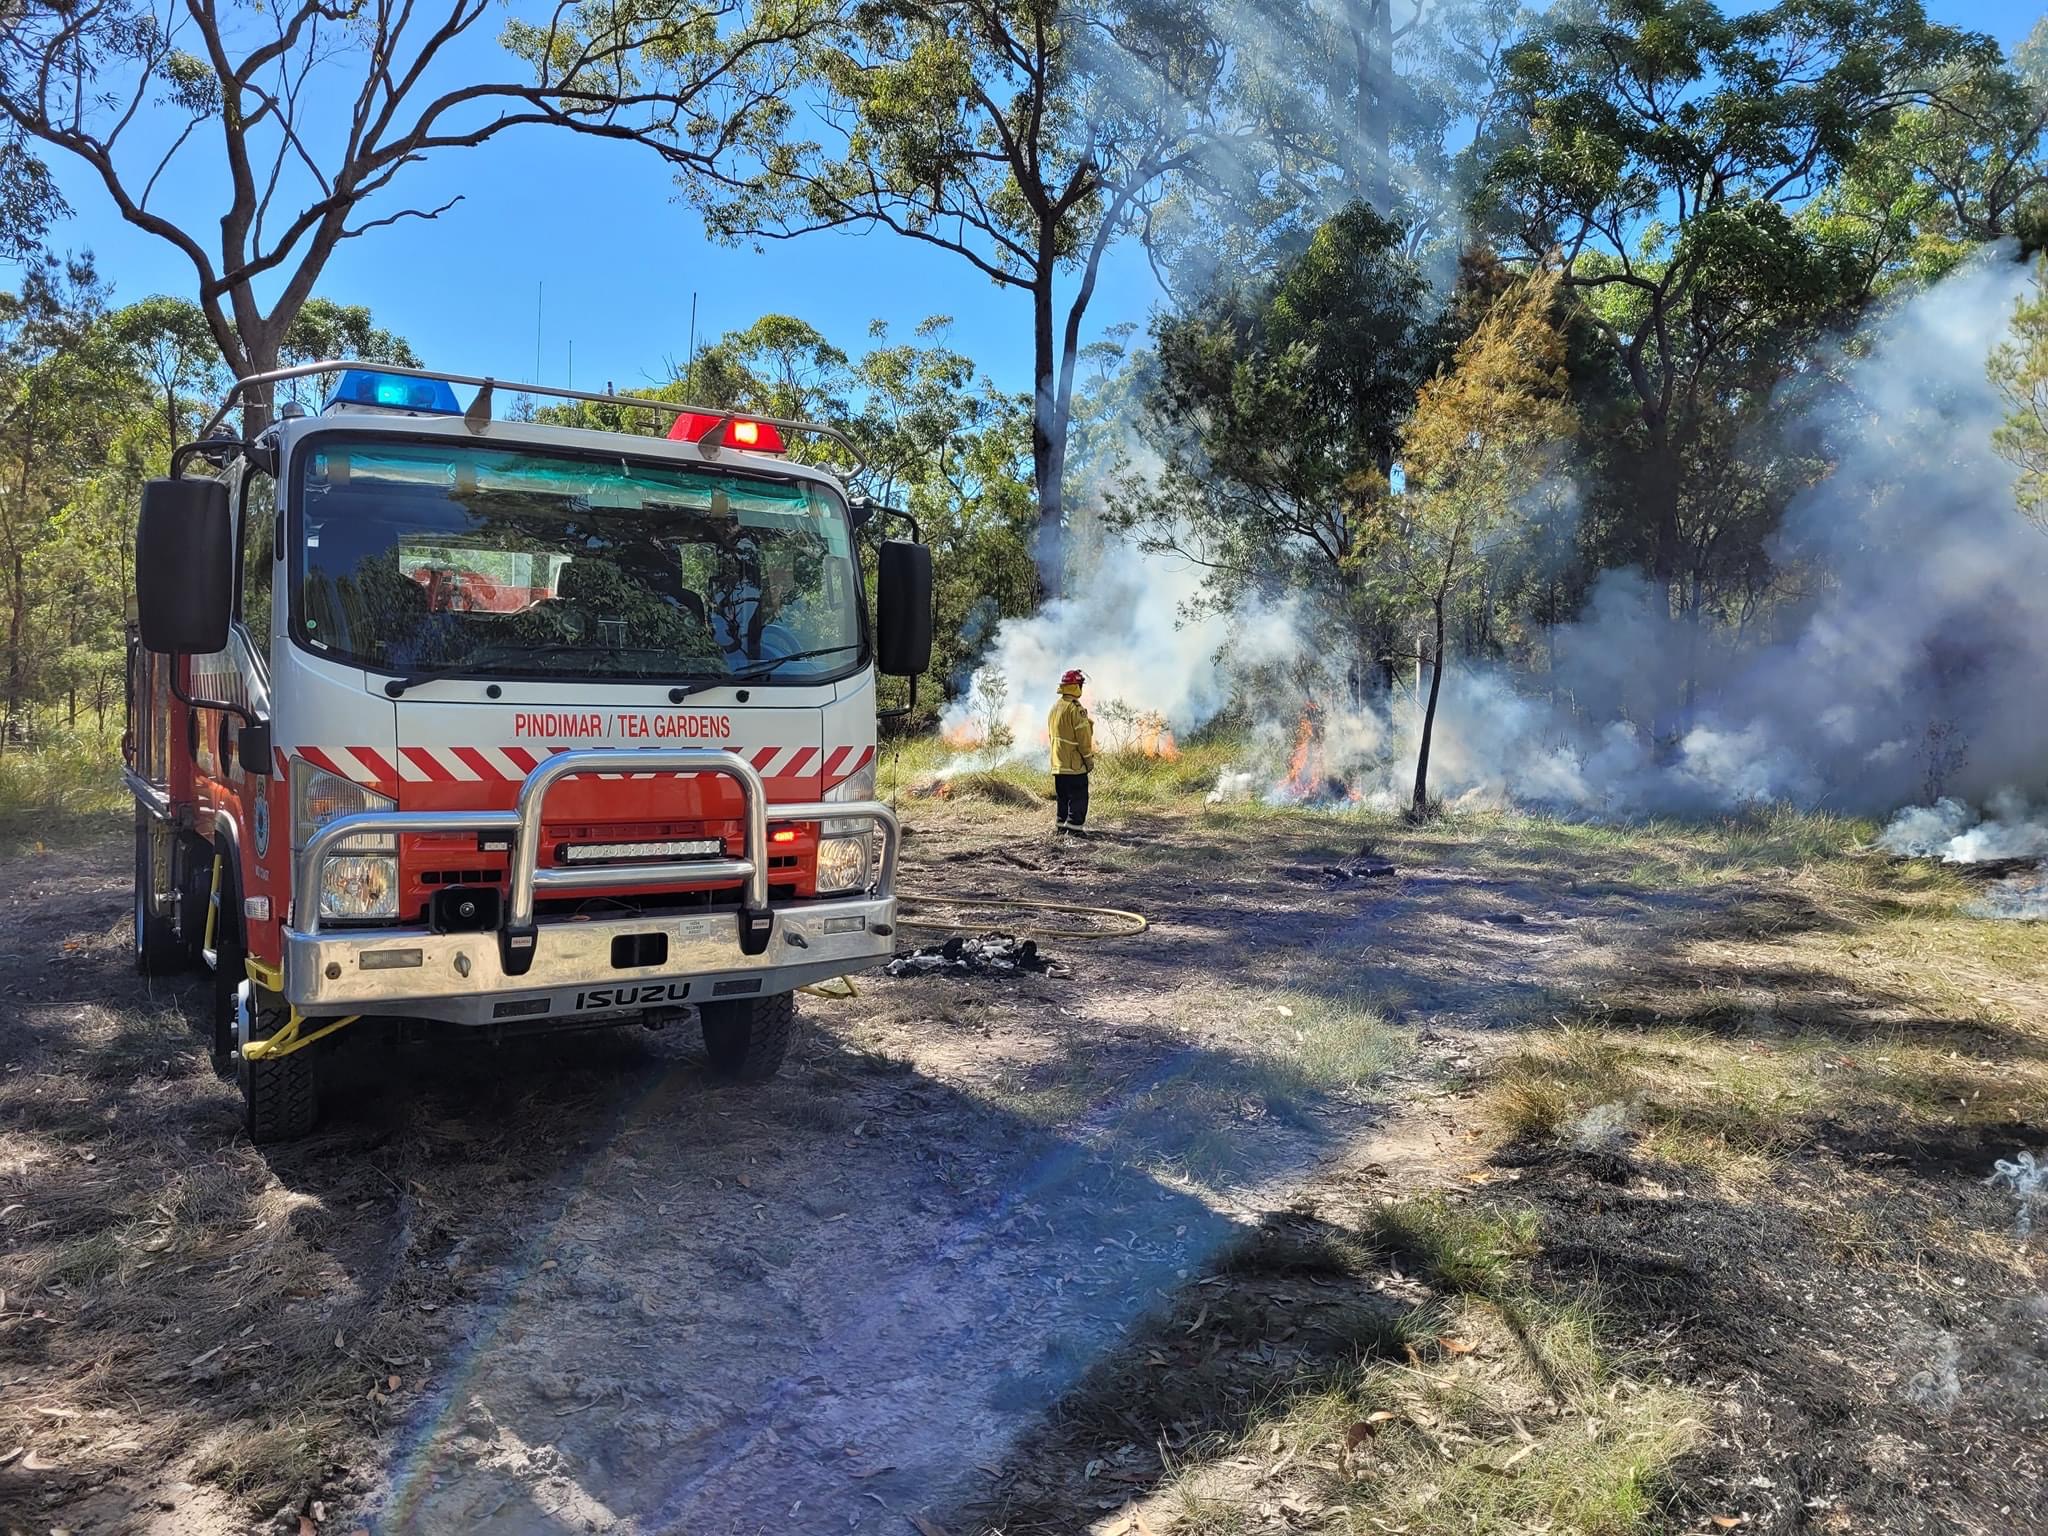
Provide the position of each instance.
(746, 1038)
(280, 1094)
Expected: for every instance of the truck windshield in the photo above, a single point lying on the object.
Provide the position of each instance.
(422, 557)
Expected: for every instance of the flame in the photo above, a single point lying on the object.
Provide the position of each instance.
(1155, 739)
(1306, 771)
(964, 737)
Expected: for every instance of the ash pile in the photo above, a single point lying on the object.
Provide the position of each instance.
(987, 954)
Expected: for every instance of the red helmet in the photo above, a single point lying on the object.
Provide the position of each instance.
(1073, 676)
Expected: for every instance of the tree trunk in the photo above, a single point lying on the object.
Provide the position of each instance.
(1048, 437)
(261, 358)
(1420, 806)
(17, 618)
(1372, 109)
(1666, 562)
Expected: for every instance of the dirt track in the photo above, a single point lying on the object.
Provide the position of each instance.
(576, 1285)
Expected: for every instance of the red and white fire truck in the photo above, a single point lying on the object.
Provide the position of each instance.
(512, 726)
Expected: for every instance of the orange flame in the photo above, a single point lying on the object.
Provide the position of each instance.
(1307, 772)
(1155, 739)
(964, 737)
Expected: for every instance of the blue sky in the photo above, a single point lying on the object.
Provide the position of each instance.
(597, 229)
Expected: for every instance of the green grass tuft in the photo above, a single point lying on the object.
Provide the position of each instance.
(1461, 1247)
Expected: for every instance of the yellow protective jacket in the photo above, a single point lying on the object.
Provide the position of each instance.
(1072, 735)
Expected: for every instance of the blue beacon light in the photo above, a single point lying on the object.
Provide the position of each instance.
(361, 387)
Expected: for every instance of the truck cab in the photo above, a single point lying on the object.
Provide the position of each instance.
(508, 726)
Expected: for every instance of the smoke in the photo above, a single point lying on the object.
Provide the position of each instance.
(2028, 1181)
(1907, 671)
(1950, 831)
(1134, 624)
(2008, 829)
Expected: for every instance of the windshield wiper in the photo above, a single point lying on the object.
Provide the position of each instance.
(398, 685)
(768, 664)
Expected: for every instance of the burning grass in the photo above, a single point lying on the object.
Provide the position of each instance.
(1125, 780)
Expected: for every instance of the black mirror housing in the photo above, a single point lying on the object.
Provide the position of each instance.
(903, 608)
(252, 750)
(184, 567)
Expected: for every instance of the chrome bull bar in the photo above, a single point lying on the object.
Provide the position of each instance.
(522, 825)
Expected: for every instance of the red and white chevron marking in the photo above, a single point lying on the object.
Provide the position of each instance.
(476, 765)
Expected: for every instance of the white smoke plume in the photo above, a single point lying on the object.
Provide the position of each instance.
(1913, 666)
(1133, 627)
(1951, 831)
(2028, 1181)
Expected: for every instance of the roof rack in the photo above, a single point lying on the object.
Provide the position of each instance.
(479, 410)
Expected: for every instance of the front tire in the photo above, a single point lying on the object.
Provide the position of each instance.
(746, 1038)
(157, 949)
(280, 1094)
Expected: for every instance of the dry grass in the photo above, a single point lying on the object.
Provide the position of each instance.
(1486, 1407)
(178, 1301)
(1122, 781)
(50, 793)
(1852, 993)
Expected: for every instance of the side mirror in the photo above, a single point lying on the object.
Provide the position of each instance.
(903, 608)
(184, 566)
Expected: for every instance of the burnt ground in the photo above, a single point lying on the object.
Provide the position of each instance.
(994, 1253)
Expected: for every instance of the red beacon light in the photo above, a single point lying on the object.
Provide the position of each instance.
(740, 432)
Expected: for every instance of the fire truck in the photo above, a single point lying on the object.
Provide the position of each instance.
(508, 726)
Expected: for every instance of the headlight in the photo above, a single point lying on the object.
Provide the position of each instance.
(318, 797)
(861, 786)
(359, 885)
(360, 881)
(842, 864)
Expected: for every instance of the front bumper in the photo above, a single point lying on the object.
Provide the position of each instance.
(568, 967)
(460, 977)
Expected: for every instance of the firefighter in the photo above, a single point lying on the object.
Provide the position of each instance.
(1072, 735)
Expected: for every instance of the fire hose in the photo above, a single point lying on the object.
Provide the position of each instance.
(1134, 923)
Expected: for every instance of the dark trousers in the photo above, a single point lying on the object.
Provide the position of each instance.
(1070, 796)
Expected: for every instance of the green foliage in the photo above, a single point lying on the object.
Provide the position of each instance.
(2019, 367)
(1670, 152)
(1277, 408)
(323, 329)
(1011, 134)
(92, 400)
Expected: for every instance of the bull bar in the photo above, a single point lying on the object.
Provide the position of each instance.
(539, 969)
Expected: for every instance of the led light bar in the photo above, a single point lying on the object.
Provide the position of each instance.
(614, 853)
